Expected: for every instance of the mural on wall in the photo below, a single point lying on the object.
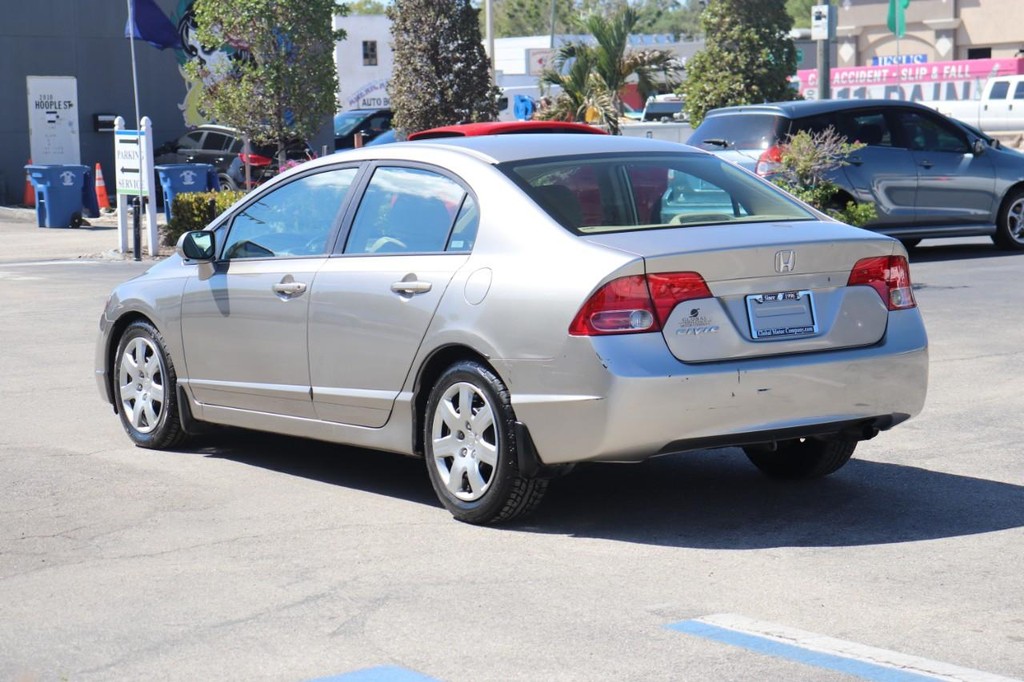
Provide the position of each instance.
(215, 58)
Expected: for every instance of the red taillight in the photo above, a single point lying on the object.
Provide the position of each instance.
(769, 160)
(889, 276)
(255, 159)
(635, 304)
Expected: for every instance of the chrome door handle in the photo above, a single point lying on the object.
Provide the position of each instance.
(289, 288)
(926, 164)
(411, 287)
(855, 160)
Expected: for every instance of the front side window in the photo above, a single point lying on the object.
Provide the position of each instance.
(612, 193)
(926, 133)
(292, 220)
(407, 210)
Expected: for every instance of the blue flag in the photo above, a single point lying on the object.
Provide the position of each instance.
(151, 25)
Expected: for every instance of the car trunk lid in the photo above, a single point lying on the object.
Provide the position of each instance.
(776, 288)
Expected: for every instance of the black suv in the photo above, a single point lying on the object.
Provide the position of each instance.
(220, 147)
(928, 175)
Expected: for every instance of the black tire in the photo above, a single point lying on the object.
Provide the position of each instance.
(145, 388)
(803, 458)
(1010, 223)
(226, 182)
(76, 220)
(485, 492)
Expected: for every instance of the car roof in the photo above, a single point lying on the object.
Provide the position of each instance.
(504, 127)
(505, 148)
(812, 107)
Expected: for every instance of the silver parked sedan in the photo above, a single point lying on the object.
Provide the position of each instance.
(507, 306)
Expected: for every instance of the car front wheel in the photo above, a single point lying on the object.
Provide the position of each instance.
(1010, 228)
(470, 448)
(803, 458)
(145, 388)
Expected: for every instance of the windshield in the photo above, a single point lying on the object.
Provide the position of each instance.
(622, 193)
(345, 122)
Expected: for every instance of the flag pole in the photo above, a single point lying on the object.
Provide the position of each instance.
(135, 76)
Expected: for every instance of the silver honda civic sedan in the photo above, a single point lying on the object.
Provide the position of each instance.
(505, 307)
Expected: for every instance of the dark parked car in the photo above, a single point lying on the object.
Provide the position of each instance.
(222, 147)
(928, 175)
(369, 123)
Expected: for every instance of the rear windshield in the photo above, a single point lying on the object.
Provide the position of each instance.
(623, 193)
(738, 131)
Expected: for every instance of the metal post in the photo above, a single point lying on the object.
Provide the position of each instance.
(824, 69)
(137, 227)
(489, 5)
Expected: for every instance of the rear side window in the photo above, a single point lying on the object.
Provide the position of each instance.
(410, 210)
(623, 193)
(739, 131)
(999, 90)
(870, 128)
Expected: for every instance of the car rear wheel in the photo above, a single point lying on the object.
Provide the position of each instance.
(226, 182)
(803, 458)
(145, 389)
(1010, 228)
(471, 449)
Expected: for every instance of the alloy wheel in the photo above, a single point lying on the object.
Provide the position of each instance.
(464, 439)
(141, 384)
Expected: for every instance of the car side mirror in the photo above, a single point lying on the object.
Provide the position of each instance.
(197, 245)
(979, 146)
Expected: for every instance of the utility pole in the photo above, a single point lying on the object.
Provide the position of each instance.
(823, 30)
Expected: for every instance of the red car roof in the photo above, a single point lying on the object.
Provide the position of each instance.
(506, 127)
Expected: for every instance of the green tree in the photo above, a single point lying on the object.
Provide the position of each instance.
(282, 81)
(514, 18)
(442, 75)
(747, 58)
(612, 63)
(800, 11)
(366, 7)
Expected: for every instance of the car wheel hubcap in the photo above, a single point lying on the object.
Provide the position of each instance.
(141, 381)
(1015, 220)
(464, 440)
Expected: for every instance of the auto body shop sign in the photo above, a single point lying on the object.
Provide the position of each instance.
(53, 119)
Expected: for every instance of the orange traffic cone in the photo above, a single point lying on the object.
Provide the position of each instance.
(102, 200)
(30, 193)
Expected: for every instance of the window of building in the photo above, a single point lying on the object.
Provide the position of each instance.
(979, 53)
(369, 53)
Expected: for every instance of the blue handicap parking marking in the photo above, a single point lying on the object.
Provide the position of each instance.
(383, 673)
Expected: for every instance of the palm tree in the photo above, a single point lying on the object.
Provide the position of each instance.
(597, 72)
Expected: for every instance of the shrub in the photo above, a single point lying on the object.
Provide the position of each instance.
(806, 160)
(195, 210)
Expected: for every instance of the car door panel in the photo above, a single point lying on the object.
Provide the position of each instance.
(245, 341)
(955, 186)
(245, 327)
(367, 318)
(372, 304)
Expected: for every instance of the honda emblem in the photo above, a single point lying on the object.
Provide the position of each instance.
(785, 261)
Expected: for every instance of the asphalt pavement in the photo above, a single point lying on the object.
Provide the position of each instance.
(21, 239)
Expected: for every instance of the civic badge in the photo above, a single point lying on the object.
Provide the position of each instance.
(785, 261)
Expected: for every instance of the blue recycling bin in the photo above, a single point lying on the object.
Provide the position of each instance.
(61, 193)
(178, 178)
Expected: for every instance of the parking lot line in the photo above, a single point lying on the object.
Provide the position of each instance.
(862, 661)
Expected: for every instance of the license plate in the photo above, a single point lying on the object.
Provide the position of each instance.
(781, 315)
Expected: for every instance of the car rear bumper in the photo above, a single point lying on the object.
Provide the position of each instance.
(628, 398)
